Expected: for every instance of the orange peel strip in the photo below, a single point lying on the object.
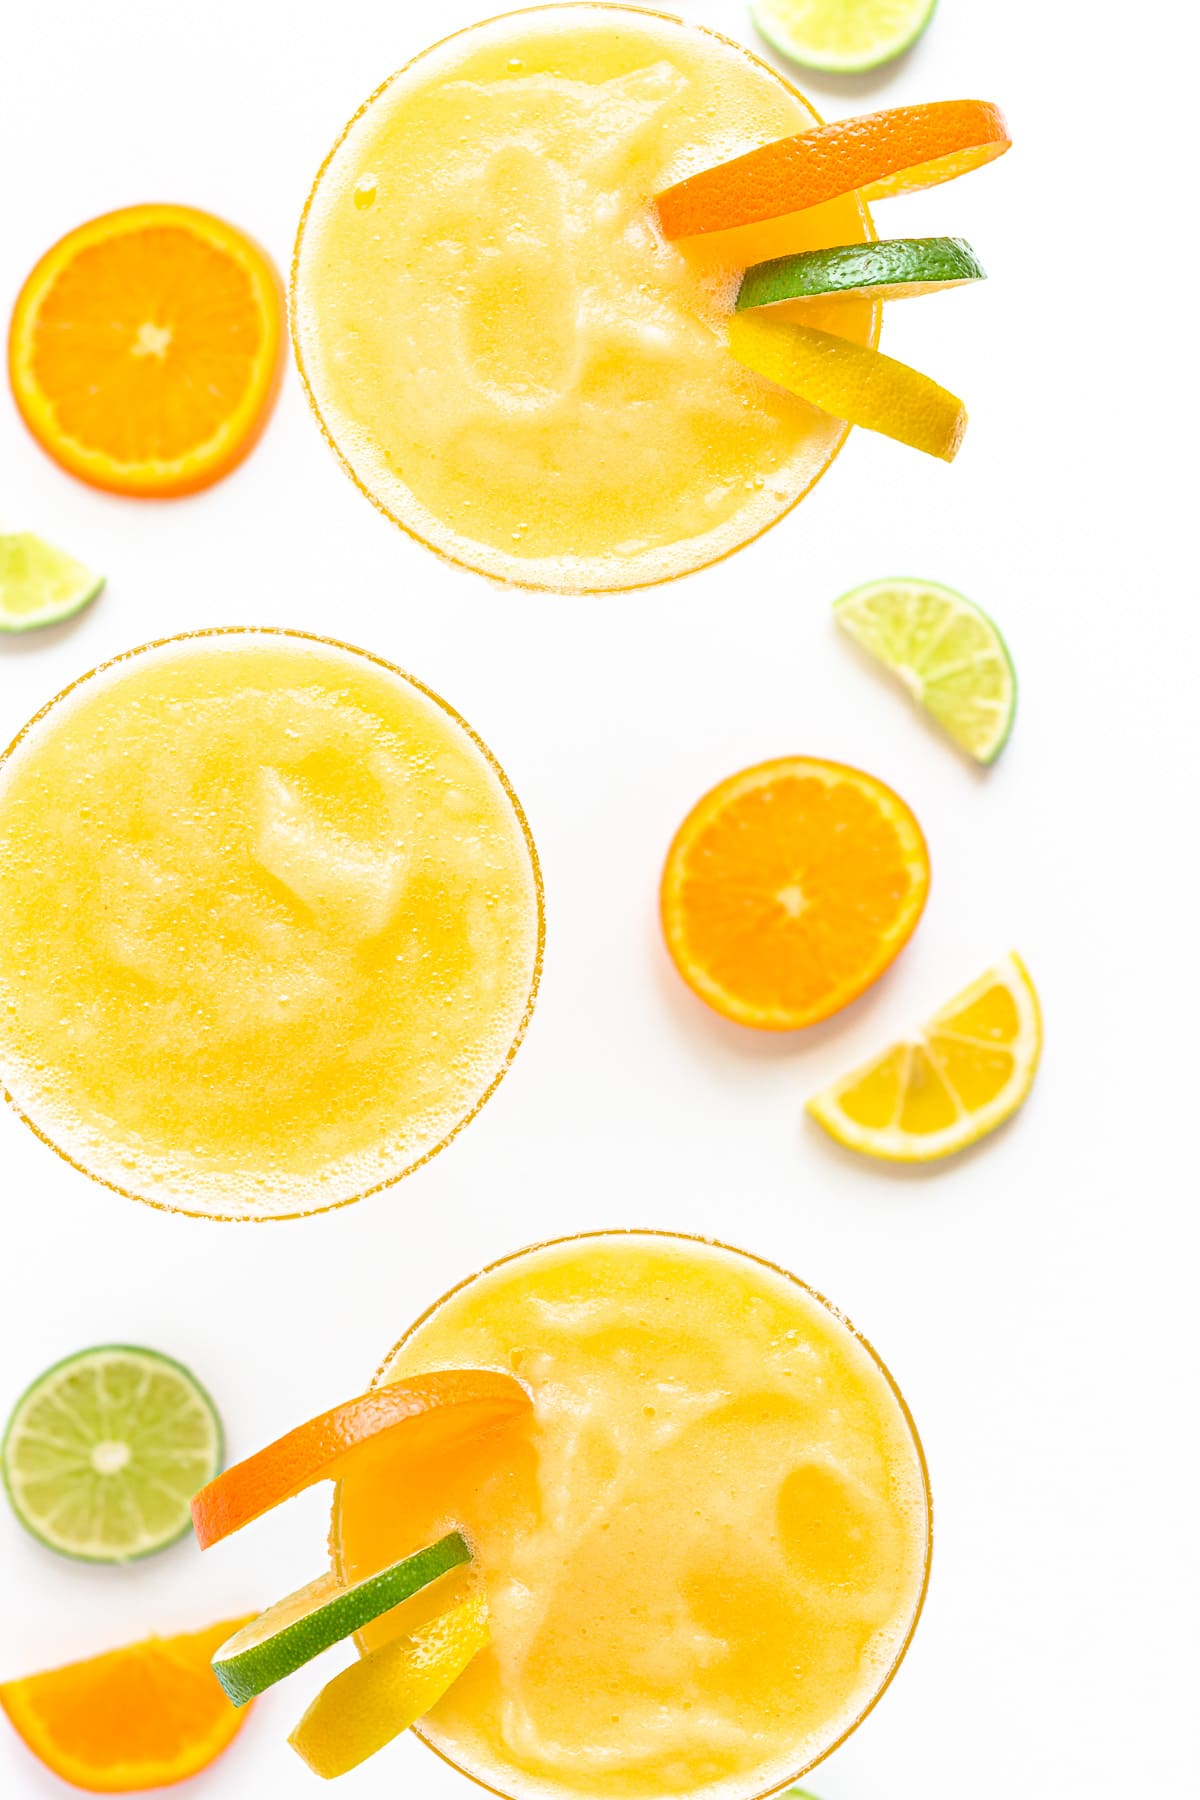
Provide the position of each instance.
(877, 155)
(852, 382)
(430, 1412)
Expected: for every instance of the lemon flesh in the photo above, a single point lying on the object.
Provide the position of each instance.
(40, 585)
(842, 36)
(947, 653)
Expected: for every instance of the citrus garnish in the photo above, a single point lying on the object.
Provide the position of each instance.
(946, 651)
(377, 1698)
(896, 269)
(144, 351)
(842, 36)
(852, 382)
(427, 1413)
(103, 1453)
(40, 585)
(289, 1634)
(877, 155)
(789, 888)
(140, 1717)
(962, 1075)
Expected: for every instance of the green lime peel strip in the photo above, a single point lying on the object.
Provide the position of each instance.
(40, 585)
(314, 1618)
(894, 269)
(946, 651)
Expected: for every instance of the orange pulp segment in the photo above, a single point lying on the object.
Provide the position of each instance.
(877, 155)
(790, 888)
(145, 349)
(852, 382)
(416, 1418)
(144, 1716)
(389, 1689)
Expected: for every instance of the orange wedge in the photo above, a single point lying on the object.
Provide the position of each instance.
(852, 382)
(877, 155)
(790, 888)
(145, 349)
(142, 1717)
(418, 1417)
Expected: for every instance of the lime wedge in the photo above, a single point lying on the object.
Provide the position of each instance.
(292, 1632)
(896, 269)
(40, 585)
(843, 36)
(948, 654)
(103, 1453)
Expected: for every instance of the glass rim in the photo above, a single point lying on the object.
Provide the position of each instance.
(453, 557)
(188, 1211)
(763, 1262)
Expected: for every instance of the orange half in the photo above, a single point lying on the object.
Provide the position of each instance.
(145, 349)
(144, 1716)
(790, 888)
(877, 155)
(417, 1417)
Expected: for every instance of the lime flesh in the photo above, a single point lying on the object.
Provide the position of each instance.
(896, 269)
(946, 651)
(316, 1617)
(104, 1451)
(842, 36)
(40, 585)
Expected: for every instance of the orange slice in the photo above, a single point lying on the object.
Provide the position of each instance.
(145, 349)
(877, 155)
(790, 888)
(141, 1717)
(852, 382)
(427, 1413)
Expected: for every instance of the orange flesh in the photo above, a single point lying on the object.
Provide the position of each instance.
(789, 888)
(140, 1717)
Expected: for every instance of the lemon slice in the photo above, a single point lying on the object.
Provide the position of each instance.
(40, 585)
(851, 382)
(842, 36)
(946, 651)
(377, 1698)
(894, 269)
(963, 1074)
(289, 1634)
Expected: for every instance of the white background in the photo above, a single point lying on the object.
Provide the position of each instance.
(1033, 1298)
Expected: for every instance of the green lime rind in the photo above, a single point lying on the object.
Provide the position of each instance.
(103, 1452)
(40, 585)
(894, 269)
(838, 38)
(314, 1618)
(947, 652)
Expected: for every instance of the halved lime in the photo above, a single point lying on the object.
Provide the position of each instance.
(947, 652)
(843, 36)
(895, 269)
(40, 585)
(104, 1451)
(314, 1618)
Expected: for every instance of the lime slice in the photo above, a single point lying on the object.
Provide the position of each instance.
(948, 654)
(103, 1453)
(896, 269)
(291, 1633)
(843, 36)
(40, 585)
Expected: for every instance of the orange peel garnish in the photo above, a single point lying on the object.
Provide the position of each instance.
(877, 155)
(423, 1414)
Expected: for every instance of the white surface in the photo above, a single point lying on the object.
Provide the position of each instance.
(1030, 1299)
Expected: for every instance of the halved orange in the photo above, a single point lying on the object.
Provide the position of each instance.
(790, 888)
(416, 1417)
(144, 1716)
(145, 351)
(877, 155)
